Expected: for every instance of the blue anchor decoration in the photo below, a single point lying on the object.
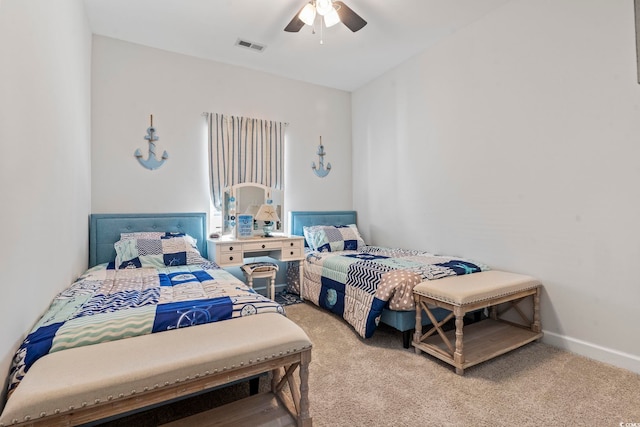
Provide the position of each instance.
(321, 171)
(151, 162)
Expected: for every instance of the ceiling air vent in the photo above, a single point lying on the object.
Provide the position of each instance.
(250, 45)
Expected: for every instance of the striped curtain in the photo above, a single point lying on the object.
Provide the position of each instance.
(241, 150)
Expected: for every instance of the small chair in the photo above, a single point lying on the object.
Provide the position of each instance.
(261, 270)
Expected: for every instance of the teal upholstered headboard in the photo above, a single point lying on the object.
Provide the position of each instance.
(300, 219)
(105, 229)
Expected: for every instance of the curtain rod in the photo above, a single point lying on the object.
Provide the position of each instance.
(205, 115)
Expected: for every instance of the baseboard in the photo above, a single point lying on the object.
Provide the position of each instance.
(609, 356)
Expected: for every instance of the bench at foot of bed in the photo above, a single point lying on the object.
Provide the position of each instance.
(94, 382)
(486, 339)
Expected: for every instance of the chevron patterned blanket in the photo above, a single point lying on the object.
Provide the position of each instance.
(106, 304)
(358, 285)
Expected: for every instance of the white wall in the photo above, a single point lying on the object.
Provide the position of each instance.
(130, 82)
(516, 142)
(45, 57)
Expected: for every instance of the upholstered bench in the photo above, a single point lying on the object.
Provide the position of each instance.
(84, 384)
(261, 270)
(487, 338)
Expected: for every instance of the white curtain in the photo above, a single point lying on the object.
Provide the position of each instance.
(243, 149)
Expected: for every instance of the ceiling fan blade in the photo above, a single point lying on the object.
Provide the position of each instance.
(296, 23)
(352, 20)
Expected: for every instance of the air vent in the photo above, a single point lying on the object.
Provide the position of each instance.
(250, 45)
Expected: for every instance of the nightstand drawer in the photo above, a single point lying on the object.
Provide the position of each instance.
(291, 253)
(262, 246)
(290, 244)
(229, 247)
(230, 259)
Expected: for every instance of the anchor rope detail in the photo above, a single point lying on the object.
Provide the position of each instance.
(320, 170)
(151, 162)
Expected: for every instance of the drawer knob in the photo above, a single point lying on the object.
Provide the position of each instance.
(290, 243)
(263, 246)
(291, 252)
(230, 248)
(230, 258)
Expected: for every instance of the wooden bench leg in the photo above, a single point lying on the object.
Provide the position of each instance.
(298, 403)
(304, 417)
(458, 356)
(418, 331)
(535, 327)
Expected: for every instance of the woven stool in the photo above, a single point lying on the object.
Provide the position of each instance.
(261, 270)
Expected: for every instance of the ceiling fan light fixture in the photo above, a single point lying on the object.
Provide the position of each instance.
(331, 11)
(331, 18)
(324, 6)
(308, 14)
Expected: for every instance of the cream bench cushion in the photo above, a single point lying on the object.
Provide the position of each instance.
(90, 375)
(476, 287)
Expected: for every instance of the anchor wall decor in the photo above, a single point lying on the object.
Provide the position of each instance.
(151, 162)
(320, 170)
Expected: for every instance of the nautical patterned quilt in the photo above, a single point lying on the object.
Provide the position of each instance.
(358, 285)
(105, 304)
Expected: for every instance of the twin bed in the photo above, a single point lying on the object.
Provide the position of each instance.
(366, 284)
(151, 320)
(369, 284)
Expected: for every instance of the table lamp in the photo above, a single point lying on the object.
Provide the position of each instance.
(268, 214)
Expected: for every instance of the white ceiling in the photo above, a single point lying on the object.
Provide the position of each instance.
(396, 31)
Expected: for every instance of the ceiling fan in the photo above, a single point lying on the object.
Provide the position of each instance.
(331, 12)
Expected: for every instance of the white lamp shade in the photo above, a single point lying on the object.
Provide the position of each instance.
(324, 6)
(308, 14)
(267, 213)
(331, 18)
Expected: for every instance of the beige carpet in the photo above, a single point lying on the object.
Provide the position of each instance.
(376, 382)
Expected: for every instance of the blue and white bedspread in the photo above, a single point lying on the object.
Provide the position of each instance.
(358, 285)
(106, 304)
